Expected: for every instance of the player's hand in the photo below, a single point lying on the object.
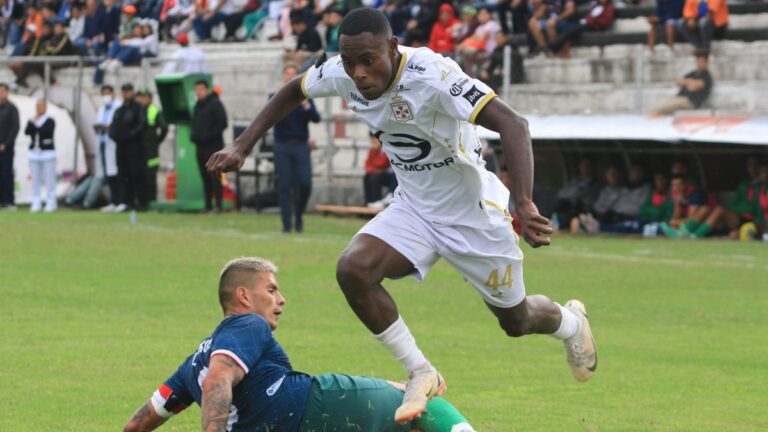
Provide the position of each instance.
(226, 160)
(535, 228)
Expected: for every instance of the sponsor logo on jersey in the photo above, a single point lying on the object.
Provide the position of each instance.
(408, 141)
(473, 95)
(273, 388)
(401, 110)
(416, 68)
(458, 87)
(400, 88)
(422, 167)
(359, 99)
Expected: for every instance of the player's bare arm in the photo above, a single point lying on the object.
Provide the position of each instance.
(518, 154)
(223, 375)
(145, 419)
(282, 103)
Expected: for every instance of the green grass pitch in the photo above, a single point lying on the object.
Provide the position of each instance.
(96, 312)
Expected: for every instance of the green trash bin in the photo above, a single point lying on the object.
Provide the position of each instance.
(177, 97)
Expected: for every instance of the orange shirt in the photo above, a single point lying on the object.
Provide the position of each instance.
(718, 8)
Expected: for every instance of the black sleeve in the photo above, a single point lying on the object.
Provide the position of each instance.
(312, 113)
(141, 123)
(221, 117)
(48, 127)
(30, 129)
(162, 125)
(14, 130)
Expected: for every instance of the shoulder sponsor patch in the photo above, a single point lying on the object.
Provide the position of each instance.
(416, 68)
(458, 87)
(473, 95)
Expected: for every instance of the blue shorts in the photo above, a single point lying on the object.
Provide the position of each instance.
(560, 27)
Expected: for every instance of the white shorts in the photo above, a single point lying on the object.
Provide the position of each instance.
(490, 260)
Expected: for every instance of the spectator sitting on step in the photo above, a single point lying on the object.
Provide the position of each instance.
(92, 42)
(493, 73)
(176, 17)
(75, 23)
(130, 51)
(695, 88)
(466, 26)
(35, 47)
(308, 41)
(668, 13)
(550, 18)
(378, 175)
(704, 20)
(441, 36)
(578, 195)
(33, 29)
(186, 59)
(603, 211)
(600, 18)
(215, 13)
(112, 21)
(476, 49)
(331, 20)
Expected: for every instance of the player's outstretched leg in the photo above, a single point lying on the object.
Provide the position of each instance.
(441, 416)
(538, 314)
(360, 270)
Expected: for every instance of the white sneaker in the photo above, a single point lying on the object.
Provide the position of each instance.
(424, 383)
(581, 348)
(120, 208)
(108, 208)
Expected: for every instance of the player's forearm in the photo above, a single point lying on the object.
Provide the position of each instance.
(282, 103)
(145, 419)
(217, 399)
(518, 153)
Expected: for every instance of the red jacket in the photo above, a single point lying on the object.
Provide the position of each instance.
(377, 161)
(441, 38)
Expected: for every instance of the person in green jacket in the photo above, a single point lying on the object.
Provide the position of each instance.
(154, 135)
(658, 207)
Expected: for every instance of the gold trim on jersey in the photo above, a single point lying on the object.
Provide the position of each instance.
(403, 61)
(304, 85)
(497, 207)
(484, 101)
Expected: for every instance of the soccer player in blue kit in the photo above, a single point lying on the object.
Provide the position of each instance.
(243, 381)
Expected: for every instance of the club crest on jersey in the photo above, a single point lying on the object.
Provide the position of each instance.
(473, 95)
(401, 110)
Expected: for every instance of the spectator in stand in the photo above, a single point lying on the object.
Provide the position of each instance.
(37, 48)
(13, 15)
(65, 10)
(293, 164)
(209, 120)
(93, 40)
(603, 211)
(186, 59)
(441, 37)
(398, 13)
(668, 13)
(627, 208)
(113, 21)
(33, 30)
(76, 23)
(129, 50)
(59, 44)
(149, 9)
(695, 88)
(600, 18)
(42, 158)
(692, 214)
(419, 27)
(704, 20)
(127, 130)
(520, 15)
(235, 20)
(154, 135)
(252, 19)
(308, 41)
(493, 74)
(579, 194)
(476, 49)
(378, 175)
(216, 12)
(175, 17)
(658, 207)
(106, 157)
(467, 25)
(9, 118)
(49, 12)
(549, 19)
(331, 20)
(128, 22)
(6, 11)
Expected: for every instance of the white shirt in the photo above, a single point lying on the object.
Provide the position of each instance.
(425, 123)
(108, 157)
(75, 28)
(227, 9)
(187, 60)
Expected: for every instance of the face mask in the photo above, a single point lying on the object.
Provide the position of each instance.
(107, 99)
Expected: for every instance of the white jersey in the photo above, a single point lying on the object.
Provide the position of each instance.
(425, 122)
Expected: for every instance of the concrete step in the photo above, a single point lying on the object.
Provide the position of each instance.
(640, 24)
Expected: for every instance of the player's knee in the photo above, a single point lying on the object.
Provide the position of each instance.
(352, 272)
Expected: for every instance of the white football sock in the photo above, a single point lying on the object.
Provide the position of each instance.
(569, 324)
(399, 341)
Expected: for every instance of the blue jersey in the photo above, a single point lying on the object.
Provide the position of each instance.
(271, 397)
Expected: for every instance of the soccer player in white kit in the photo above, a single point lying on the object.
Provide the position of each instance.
(424, 110)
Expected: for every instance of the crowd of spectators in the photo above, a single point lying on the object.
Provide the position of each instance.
(671, 203)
